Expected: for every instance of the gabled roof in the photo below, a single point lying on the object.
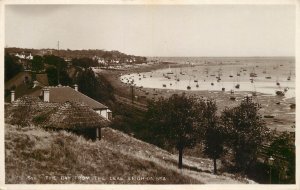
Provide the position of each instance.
(61, 94)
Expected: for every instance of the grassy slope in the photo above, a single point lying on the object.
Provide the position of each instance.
(17, 80)
(32, 152)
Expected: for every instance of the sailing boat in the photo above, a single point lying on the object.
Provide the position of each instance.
(189, 86)
(253, 74)
(277, 78)
(268, 76)
(254, 90)
(279, 92)
(219, 76)
(237, 86)
(265, 70)
(289, 77)
(232, 97)
(170, 71)
(182, 73)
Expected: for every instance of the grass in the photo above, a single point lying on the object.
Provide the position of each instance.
(33, 155)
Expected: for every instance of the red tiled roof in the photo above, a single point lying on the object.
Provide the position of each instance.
(61, 94)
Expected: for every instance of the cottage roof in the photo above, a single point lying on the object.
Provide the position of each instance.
(67, 115)
(26, 108)
(75, 115)
(63, 94)
(26, 101)
(33, 104)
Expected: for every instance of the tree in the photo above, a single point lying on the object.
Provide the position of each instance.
(59, 63)
(37, 63)
(84, 62)
(11, 67)
(214, 135)
(246, 132)
(283, 149)
(174, 122)
(52, 74)
(56, 61)
(97, 88)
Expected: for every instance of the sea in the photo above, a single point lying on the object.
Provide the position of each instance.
(266, 75)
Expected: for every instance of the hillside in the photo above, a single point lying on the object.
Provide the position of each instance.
(33, 155)
(113, 54)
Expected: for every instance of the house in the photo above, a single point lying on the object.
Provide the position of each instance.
(78, 118)
(75, 117)
(57, 94)
(62, 94)
(29, 57)
(21, 56)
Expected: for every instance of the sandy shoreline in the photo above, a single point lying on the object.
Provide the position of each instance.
(276, 106)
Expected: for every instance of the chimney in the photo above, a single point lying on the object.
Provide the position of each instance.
(46, 94)
(35, 84)
(76, 87)
(12, 93)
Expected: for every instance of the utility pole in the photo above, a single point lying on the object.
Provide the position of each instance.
(132, 93)
(271, 160)
(58, 64)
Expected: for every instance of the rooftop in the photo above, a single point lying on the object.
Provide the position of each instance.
(67, 115)
(61, 94)
(74, 115)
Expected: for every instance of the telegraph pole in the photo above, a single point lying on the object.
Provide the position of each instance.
(58, 64)
(132, 93)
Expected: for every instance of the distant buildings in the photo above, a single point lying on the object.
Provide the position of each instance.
(115, 61)
(24, 56)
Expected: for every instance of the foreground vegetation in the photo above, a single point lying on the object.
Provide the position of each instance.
(239, 136)
(33, 155)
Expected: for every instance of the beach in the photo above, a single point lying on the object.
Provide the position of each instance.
(170, 77)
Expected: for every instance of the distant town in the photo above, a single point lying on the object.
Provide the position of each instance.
(101, 58)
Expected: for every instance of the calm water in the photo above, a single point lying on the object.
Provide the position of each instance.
(231, 72)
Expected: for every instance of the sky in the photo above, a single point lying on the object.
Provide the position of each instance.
(155, 30)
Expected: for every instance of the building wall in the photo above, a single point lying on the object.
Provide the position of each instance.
(103, 113)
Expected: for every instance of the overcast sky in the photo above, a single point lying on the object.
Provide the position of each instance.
(165, 30)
